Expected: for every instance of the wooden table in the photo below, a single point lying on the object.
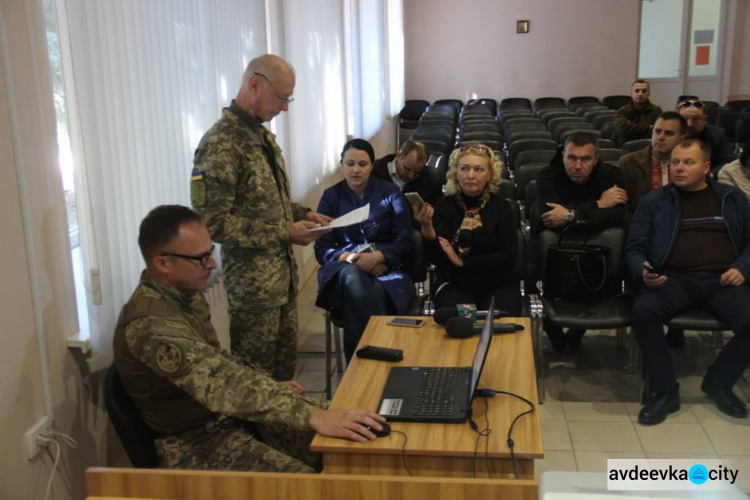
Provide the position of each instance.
(441, 450)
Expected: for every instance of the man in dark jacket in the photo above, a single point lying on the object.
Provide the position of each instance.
(577, 186)
(647, 169)
(689, 246)
(407, 169)
(635, 120)
(696, 115)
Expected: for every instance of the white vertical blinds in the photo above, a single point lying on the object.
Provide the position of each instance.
(149, 79)
(395, 66)
(372, 58)
(317, 117)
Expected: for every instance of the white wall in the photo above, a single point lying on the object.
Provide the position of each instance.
(574, 47)
(739, 80)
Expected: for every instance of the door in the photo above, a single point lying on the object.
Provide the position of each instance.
(680, 46)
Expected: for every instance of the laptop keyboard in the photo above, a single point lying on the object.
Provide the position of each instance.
(437, 393)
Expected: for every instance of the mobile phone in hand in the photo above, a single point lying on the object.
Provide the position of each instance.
(649, 268)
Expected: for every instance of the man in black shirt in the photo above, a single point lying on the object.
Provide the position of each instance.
(689, 246)
(577, 186)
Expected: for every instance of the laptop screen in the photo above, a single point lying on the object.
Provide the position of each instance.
(482, 348)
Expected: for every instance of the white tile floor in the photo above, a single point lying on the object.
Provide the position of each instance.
(591, 405)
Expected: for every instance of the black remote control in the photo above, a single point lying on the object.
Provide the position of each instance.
(380, 353)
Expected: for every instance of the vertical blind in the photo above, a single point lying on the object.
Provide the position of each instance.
(149, 79)
(317, 118)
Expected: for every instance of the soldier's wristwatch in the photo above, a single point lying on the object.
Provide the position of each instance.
(570, 216)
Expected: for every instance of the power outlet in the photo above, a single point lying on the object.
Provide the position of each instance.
(30, 438)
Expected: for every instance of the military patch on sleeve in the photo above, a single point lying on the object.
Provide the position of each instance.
(197, 189)
(168, 358)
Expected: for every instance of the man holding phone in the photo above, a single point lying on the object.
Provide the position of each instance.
(689, 246)
(407, 169)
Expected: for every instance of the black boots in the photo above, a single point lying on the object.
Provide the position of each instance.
(661, 405)
(724, 398)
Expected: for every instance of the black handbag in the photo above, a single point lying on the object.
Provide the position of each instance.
(575, 271)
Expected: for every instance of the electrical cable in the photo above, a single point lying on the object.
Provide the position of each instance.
(51, 436)
(511, 445)
(403, 450)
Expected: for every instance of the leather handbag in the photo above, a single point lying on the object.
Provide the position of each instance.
(575, 271)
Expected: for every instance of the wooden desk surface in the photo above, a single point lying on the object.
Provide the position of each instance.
(509, 367)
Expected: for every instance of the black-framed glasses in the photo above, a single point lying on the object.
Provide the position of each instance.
(281, 98)
(203, 259)
(691, 103)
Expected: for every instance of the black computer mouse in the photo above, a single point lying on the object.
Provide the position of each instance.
(385, 432)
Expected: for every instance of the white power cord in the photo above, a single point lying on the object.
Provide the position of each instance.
(52, 436)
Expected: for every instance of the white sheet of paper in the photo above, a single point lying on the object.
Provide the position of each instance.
(354, 217)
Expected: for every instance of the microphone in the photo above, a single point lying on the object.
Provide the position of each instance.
(462, 328)
(443, 314)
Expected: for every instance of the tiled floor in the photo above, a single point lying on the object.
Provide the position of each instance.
(591, 405)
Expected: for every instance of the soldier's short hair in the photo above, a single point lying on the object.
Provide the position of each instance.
(420, 148)
(361, 145)
(581, 138)
(161, 226)
(674, 115)
(641, 80)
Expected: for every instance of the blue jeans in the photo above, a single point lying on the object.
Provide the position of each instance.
(358, 295)
(655, 306)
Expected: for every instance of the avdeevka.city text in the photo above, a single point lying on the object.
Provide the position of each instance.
(721, 473)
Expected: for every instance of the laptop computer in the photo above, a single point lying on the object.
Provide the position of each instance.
(435, 394)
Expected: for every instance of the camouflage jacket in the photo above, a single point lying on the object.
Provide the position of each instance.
(240, 186)
(168, 357)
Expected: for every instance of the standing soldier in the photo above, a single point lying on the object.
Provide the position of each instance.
(240, 185)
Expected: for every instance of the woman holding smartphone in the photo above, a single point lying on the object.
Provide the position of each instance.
(470, 235)
(364, 267)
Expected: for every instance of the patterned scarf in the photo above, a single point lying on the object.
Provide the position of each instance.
(461, 243)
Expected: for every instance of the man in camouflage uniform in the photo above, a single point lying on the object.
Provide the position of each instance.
(239, 184)
(208, 409)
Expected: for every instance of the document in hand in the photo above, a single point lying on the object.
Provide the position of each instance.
(353, 217)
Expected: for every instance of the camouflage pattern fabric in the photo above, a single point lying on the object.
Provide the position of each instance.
(240, 186)
(268, 337)
(173, 368)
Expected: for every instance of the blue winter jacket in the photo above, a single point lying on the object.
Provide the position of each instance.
(656, 224)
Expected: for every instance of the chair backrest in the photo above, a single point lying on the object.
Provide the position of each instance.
(612, 238)
(578, 101)
(515, 102)
(605, 143)
(737, 105)
(554, 122)
(616, 101)
(479, 126)
(588, 108)
(610, 154)
(136, 437)
(595, 113)
(534, 156)
(742, 129)
(505, 114)
(549, 102)
(548, 115)
(608, 130)
(521, 264)
(728, 121)
(437, 166)
(413, 109)
(507, 190)
(563, 130)
(419, 264)
(526, 174)
(515, 208)
(528, 145)
(480, 136)
(447, 110)
(517, 135)
(601, 120)
(456, 103)
(635, 145)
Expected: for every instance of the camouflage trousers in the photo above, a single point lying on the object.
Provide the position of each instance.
(267, 338)
(235, 445)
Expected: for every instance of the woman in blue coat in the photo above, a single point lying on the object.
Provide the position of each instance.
(364, 267)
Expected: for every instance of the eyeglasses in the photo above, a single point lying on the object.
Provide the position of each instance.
(281, 98)
(477, 148)
(203, 259)
(691, 103)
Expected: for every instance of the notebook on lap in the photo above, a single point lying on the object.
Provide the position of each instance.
(435, 394)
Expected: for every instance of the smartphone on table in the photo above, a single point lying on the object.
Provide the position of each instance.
(410, 322)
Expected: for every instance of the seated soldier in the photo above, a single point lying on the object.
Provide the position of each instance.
(578, 186)
(696, 115)
(689, 246)
(207, 408)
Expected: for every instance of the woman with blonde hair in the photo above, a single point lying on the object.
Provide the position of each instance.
(471, 234)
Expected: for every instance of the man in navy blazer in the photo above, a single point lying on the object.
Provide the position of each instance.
(689, 246)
